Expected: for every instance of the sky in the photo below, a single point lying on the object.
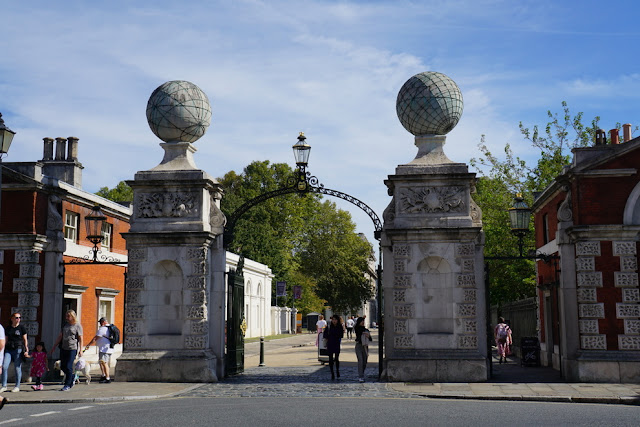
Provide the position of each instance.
(330, 69)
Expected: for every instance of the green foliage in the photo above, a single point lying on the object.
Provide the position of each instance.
(121, 193)
(305, 241)
(499, 182)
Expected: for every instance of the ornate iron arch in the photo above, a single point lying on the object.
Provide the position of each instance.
(300, 183)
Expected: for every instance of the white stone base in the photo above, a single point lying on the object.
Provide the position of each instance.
(190, 366)
(437, 370)
(605, 371)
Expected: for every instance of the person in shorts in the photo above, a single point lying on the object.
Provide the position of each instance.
(104, 349)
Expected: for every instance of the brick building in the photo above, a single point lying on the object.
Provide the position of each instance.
(42, 225)
(589, 299)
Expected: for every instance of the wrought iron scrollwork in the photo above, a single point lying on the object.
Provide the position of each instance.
(301, 182)
(95, 257)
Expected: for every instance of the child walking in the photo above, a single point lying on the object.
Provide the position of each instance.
(39, 365)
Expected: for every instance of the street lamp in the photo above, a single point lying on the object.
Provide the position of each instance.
(301, 151)
(94, 224)
(6, 136)
(519, 215)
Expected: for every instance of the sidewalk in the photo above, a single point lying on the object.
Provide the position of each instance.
(509, 382)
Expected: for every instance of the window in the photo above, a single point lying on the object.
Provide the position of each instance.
(107, 230)
(545, 229)
(71, 226)
(106, 309)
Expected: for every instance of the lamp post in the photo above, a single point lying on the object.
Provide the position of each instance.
(6, 136)
(301, 151)
(94, 224)
(519, 215)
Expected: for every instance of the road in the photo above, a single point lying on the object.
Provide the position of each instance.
(344, 412)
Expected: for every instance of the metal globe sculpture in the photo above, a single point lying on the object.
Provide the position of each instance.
(429, 103)
(178, 111)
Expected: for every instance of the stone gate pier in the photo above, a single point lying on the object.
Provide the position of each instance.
(432, 239)
(174, 310)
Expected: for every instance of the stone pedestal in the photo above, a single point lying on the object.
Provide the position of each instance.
(434, 298)
(173, 314)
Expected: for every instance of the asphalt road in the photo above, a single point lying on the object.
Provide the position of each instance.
(343, 412)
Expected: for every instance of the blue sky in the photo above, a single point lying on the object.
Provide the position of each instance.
(332, 69)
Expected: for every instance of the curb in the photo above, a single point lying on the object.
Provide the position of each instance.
(104, 399)
(622, 400)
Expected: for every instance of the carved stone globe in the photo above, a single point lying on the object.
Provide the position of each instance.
(178, 111)
(429, 103)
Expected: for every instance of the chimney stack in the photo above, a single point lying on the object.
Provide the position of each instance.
(615, 140)
(48, 149)
(72, 155)
(626, 132)
(601, 137)
(61, 145)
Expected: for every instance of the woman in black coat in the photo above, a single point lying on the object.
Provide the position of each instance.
(333, 334)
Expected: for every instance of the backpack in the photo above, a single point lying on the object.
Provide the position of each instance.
(503, 331)
(114, 335)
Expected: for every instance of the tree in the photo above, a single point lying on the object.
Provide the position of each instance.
(496, 187)
(294, 235)
(120, 193)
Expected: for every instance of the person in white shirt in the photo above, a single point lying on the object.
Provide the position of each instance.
(350, 325)
(104, 349)
(320, 325)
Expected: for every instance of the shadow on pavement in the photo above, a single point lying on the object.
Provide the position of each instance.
(514, 372)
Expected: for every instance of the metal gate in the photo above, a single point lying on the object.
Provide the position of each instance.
(236, 323)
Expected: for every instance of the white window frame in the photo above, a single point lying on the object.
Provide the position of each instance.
(107, 233)
(71, 221)
(112, 302)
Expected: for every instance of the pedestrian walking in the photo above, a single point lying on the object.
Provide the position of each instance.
(38, 365)
(334, 334)
(350, 324)
(2, 343)
(320, 325)
(70, 340)
(104, 349)
(502, 335)
(15, 345)
(363, 337)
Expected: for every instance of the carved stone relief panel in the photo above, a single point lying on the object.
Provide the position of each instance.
(135, 283)
(137, 254)
(133, 342)
(632, 327)
(134, 268)
(30, 270)
(400, 326)
(28, 299)
(466, 280)
(198, 267)
(132, 328)
(588, 249)
(197, 253)
(196, 282)
(628, 263)
(403, 341)
(199, 327)
(466, 310)
(431, 200)
(590, 279)
(585, 264)
(593, 342)
(402, 280)
(631, 295)
(166, 205)
(469, 295)
(589, 326)
(624, 311)
(587, 295)
(133, 298)
(402, 251)
(26, 257)
(624, 248)
(629, 342)
(591, 310)
(465, 249)
(198, 297)
(403, 311)
(195, 341)
(27, 313)
(625, 280)
(468, 265)
(196, 312)
(136, 312)
(467, 341)
(399, 295)
(469, 326)
(25, 285)
(399, 265)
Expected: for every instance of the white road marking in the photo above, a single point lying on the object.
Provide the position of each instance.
(10, 421)
(45, 413)
(80, 407)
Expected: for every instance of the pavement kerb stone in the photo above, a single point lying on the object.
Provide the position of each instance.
(107, 398)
